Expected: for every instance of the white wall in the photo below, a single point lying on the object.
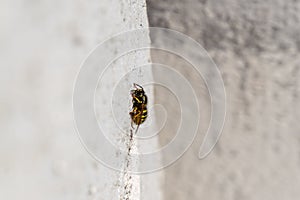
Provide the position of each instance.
(42, 46)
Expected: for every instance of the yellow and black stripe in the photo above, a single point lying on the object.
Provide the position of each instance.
(139, 108)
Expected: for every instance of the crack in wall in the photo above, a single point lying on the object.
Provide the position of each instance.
(130, 183)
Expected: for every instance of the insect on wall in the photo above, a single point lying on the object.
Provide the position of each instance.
(139, 106)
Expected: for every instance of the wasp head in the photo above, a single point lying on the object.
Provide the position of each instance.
(138, 90)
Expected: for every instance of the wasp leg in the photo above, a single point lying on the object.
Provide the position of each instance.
(131, 115)
(138, 117)
(137, 99)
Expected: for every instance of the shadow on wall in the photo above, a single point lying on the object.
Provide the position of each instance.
(256, 48)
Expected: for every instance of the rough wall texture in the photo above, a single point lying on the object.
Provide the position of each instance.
(256, 46)
(42, 46)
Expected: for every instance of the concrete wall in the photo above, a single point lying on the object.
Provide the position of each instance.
(256, 46)
(43, 44)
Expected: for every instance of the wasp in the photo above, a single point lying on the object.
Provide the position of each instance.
(139, 111)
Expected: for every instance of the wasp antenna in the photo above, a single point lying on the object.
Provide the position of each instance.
(137, 86)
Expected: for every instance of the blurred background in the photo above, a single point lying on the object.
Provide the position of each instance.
(256, 46)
